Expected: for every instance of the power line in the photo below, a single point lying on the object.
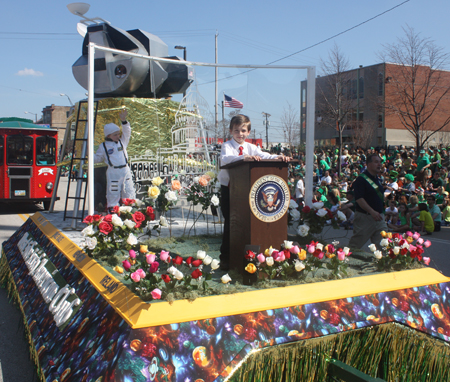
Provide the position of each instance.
(316, 44)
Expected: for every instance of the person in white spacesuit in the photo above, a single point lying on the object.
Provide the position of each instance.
(113, 152)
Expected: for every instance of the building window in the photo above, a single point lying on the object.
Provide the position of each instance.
(380, 84)
(380, 120)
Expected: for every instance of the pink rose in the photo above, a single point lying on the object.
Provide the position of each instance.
(420, 240)
(280, 257)
(261, 258)
(340, 255)
(311, 248)
(409, 233)
(156, 294)
(164, 256)
(150, 258)
(426, 260)
(154, 267)
(126, 264)
(416, 235)
(295, 249)
(427, 243)
(141, 273)
(135, 277)
(132, 254)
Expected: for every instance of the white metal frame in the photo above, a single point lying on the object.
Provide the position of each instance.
(310, 110)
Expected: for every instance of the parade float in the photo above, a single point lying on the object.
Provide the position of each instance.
(88, 318)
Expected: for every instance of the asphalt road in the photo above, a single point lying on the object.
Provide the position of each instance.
(15, 365)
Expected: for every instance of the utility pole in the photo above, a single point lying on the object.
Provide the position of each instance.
(216, 72)
(266, 122)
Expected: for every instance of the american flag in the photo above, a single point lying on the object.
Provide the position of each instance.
(232, 102)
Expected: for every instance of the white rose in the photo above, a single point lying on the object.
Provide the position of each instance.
(215, 264)
(269, 261)
(405, 245)
(378, 255)
(346, 250)
(317, 205)
(196, 179)
(91, 242)
(293, 204)
(341, 216)
(201, 255)
(271, 250)
(288, 244)
(299, 266)
(295, 215)
(225, 279)
(373, 247)
(163, 222)
(132, 240)
(321, 213)
(319, 246)
(117, 221)
(125, 208)
(88, 231)
(138, 203)
(171, 270)
(129, 223)
(303, 230)
(384, 242)
(215, 200)
(207, 260)
(396, 250)
(171, 196)
(178, 275)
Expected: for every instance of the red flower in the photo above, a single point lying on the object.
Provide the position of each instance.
(196, 274)
(97, 218)
(189, 260)
(108, 218)
(128, 202)
(178, 260)
(105, 227)
(286, 253)
(250, 255)
(138, 218)
(166, 278)
(306, 209)
(88, 219)
(150, 213)
(197, 263)
(154, 267)
(116, 210)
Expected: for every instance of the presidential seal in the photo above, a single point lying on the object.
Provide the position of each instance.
(269, 198)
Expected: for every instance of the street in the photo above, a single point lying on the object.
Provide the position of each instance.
(15, 365)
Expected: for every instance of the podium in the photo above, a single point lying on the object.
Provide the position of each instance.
(259, 201)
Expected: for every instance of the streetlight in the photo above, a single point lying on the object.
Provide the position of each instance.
(35, 115)
(62, 95)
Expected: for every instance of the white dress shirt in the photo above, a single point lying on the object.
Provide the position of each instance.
(230, 154)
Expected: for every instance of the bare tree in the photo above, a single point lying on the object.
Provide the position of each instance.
(417, 86)
(363, 133)
(335, 103)
(291, 125)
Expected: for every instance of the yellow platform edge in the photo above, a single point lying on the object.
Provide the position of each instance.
(140, 314)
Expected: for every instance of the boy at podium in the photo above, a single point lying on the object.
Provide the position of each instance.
(234, 150)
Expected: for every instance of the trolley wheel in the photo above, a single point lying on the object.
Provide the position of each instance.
(46, 204)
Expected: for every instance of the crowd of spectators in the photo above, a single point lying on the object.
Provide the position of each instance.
(413, 183)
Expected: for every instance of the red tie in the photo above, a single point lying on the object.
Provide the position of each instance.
(240, 150)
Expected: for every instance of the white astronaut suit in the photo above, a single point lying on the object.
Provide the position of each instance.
(118, 175)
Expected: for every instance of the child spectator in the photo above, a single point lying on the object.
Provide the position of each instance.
(392, 212)
(425, 219)
(113, 152)
(234, 150)
(403, 223)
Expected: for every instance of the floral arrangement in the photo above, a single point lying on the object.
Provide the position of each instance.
(314, 219)
(292, 261)
(111, 236)
(200, 191)
(400, 251)
(162, 195)
(154, 276)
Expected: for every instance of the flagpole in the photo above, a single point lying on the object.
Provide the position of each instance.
(216, 91)
(223, 117)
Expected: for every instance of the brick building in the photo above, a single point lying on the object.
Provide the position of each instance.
(56, 118)
(371, 103)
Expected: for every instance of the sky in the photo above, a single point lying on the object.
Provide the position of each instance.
(40, 43)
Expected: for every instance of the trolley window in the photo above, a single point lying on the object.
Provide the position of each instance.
(19, 149)
(2, 149)
(45, 151)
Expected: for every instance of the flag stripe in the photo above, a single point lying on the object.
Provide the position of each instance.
(232, 102)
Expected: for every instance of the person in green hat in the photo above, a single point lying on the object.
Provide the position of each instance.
(409, 185)
(392, 186)
(423, 162)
